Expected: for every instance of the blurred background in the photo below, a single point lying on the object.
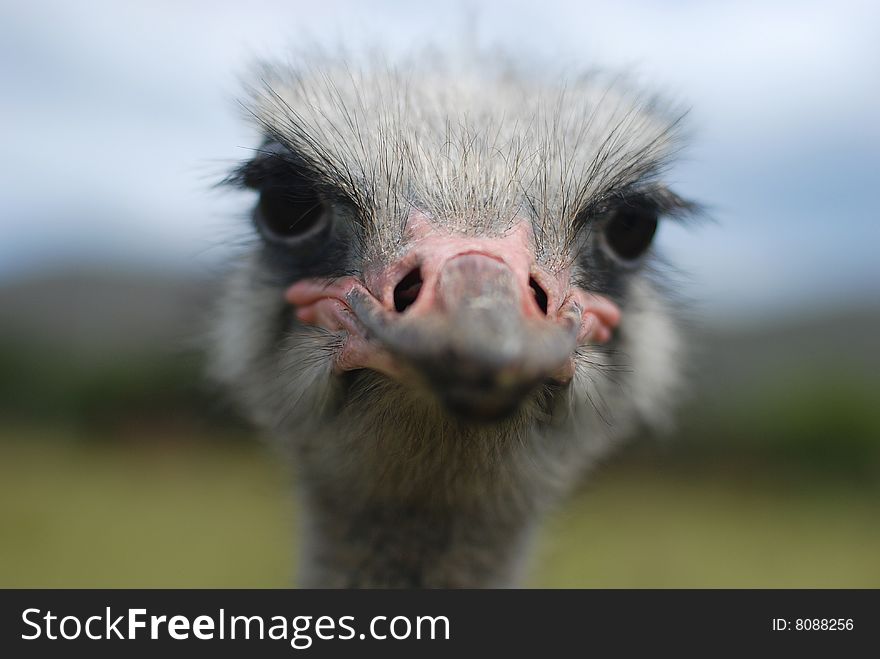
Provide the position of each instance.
(119, 467)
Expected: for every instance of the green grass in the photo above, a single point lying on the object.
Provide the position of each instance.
(639, 529)
(193, 514)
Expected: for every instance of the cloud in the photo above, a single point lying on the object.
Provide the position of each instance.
(118, 116)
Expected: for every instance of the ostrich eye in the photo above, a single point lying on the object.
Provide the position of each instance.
(629, 232)
(289, 214)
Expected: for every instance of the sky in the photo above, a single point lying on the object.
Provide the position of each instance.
(117, 118)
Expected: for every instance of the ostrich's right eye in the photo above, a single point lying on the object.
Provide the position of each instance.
(290, 214)
(629, 232)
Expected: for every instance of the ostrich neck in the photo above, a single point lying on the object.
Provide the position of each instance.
(387, 546)
(426, 507)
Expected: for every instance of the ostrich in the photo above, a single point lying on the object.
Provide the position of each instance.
(449, 311)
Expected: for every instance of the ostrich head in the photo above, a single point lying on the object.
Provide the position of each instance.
(450, 308)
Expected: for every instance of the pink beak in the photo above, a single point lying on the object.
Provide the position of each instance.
(467, 315)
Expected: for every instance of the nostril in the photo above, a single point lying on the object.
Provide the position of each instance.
(406, 292)
(540, 295)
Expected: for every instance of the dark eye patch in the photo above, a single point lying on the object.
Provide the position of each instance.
(303, 222)
(630, 229)
(291, 207)
(626, 220)
(290, 213)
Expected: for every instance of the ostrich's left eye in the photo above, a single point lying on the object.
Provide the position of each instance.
(290, 214)
(630, 231)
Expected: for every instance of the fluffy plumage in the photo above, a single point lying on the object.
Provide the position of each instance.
(398, 492)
